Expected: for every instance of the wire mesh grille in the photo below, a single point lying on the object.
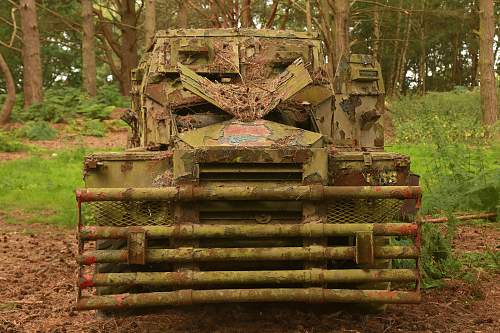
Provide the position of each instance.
(128, 213)
(363, 210)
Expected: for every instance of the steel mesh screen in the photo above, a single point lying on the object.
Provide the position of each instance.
(128, 213)
(363, 210)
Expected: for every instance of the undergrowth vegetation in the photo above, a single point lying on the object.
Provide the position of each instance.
(454, 116)
(10, 144)
(64, 104)
(37, 130)
(42, 188)
(459, 164)
(83, 115)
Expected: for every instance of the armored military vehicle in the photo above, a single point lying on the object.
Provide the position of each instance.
(250, 176)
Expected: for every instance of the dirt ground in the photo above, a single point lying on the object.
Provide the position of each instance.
(38, 272)
(64, 141)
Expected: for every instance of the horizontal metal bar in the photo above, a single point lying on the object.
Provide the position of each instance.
(196, 278)
(302, 295)
(251, 230)
(313, 253)
(222, 192)
(466, 217)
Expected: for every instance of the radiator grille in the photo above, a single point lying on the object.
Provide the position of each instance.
(363, 211)
(251, 172)
(128, 213)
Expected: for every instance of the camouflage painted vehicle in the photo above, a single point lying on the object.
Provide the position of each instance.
(250, 177)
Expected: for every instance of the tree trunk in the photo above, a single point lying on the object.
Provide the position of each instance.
(392, 75)
(149, 22)
(340, 32)
(376, 31)
(489, 103)
(474, 54)
(456, 65)
(88, 49)
(129, 57)
(246, 15)
(308, 16)
(11, 92)
(182, 15)
(401, 68)
(270, 19)
(285, 16)
(422, 70)
(326, 24)
(32, 63)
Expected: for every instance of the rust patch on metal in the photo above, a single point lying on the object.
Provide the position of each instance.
(86, 281)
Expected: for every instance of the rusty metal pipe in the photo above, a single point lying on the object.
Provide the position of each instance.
(309, 253)
(196, 278)
(466, 217)
(220, 192)
(251, 230)
(304, 295)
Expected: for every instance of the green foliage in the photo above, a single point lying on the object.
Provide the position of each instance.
(58, 105)
(42, 184)
(462, 180)
(489, 260)
(455, 178)
(459, 168)
(65, 103)
(457, 165)
(436, 255)
(116, 125)
(439, 262)
(88, 127)
(37, 130)
(452, 116)
(93, 127)
(9, 143)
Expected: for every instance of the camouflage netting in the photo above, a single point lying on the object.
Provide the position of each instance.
(246, 102)
(224, 57)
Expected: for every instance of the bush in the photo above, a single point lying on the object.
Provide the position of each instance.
(10, 144)
(65, 104)
(461, 178)
(37, 130)
(458, 165)
(93, 127)
(91, 110)
(58, 106)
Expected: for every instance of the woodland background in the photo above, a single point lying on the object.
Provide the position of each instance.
(425, 45)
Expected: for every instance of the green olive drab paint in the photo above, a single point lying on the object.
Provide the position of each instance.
(249, 176)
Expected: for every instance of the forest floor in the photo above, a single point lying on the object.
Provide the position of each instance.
(38, 275)
(37, 294)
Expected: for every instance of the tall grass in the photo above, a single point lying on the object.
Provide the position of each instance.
(453, 117)
(459, 165)
(40, 188)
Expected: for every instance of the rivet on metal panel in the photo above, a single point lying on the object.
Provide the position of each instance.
(364, 248)
(137, 246)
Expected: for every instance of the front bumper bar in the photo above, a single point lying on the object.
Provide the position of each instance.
(196, 278)
(191, 231)
(221, 192)
(304, 295)
(364, 251)
(186, 254)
